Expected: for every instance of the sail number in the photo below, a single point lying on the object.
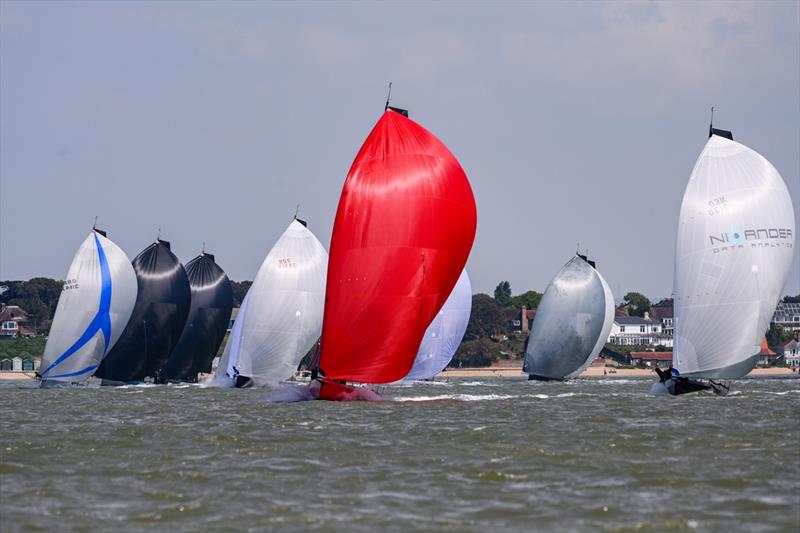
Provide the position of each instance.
(286, 263)
(716, 205)
(70, 284)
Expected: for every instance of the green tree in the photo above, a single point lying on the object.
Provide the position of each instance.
(791, 299)
(240, 288)
(37, 296)
(502, 293)
(475, 353)
(637, 303)
(487, 318)
(529, 299)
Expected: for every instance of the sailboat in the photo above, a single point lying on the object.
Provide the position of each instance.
(572, 322)
(403, 231)
(281, 317)
(732, 257)
(95, 304)
(444, 334)
(227, 375)
(162, 305)
(207, 322)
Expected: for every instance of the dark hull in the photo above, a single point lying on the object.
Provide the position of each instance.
(534, 377)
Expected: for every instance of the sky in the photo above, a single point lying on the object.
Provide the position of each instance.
(575, 122)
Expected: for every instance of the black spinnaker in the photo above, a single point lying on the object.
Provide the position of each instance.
(157, 321)
(209, 315)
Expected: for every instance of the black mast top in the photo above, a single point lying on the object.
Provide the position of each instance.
(403, 112)
(713, 131)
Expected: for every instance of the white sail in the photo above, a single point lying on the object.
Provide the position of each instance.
(284, 309)
(733, 254)
(572, 322)
(444, 333)
(226, 368)
(93, 309)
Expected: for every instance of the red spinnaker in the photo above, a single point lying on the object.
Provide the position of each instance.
(403, 231)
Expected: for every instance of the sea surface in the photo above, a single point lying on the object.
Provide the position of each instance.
(461, 455)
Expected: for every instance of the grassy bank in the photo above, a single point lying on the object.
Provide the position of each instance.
(33, 347)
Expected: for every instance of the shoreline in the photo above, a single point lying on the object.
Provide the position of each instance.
(514, 372)
(594, 372)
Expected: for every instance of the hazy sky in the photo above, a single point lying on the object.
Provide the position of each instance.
(575, 122)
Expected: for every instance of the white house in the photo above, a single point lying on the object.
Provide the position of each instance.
(787, 315)
(638, 331)
(791, 353)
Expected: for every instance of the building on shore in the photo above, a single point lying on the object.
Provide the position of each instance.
(15, 322)
(787, 316)
(638, 331)
(519, 320)
(791, 353)
(664, 312)
(767, 357)
(652, 359)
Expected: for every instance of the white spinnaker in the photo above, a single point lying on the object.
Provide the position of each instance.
(733, 254)
(227, 366)
(608, 321)
(94, 306)
(444, 333)
(284, 309)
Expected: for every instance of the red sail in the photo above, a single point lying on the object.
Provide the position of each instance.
(404, 228)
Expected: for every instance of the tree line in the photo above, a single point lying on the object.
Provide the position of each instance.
(487, 338)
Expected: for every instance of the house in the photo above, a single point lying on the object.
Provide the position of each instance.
(652, 359)
(791, 353)
(664, 312)
(638, 331)
(766, 357)
(15, 322)
(519, 320)
(787, 316)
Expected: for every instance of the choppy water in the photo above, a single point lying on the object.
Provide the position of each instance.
(485, 455)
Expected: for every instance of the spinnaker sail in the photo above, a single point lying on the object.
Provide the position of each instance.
(572, 322)
(444, 334)
(162, 305)
(207, 322)
(227, 371)
(94, 306)
(732, 257)
(403, 231)
(283, 319)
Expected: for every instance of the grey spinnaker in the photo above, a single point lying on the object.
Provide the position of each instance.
(572, 322)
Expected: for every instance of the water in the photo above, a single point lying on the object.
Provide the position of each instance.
(489, 455)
